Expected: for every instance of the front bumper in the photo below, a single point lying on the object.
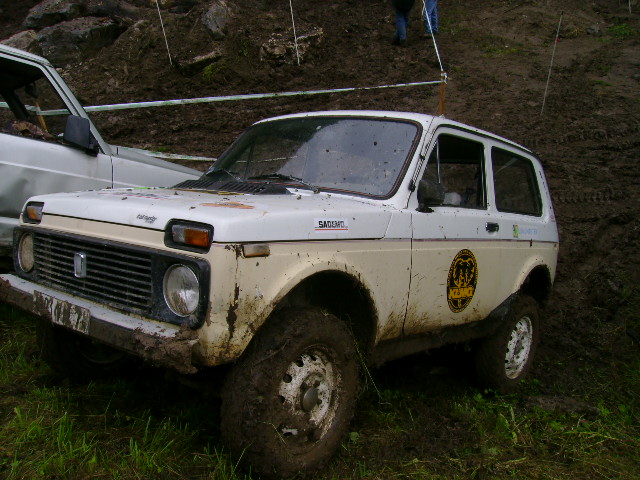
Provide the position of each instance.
(159, 343)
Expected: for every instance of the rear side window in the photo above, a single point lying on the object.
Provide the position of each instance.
(516, 187)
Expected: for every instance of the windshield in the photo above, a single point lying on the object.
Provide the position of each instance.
(358, 155)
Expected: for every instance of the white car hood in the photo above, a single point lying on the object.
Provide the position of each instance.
(234, 217)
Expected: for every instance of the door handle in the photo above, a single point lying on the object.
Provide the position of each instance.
(492, 227)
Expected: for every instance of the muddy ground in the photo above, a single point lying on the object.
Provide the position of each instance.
(497, 56)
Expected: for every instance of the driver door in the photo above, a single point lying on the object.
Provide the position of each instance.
(455, 255)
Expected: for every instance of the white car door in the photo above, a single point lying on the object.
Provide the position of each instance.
(523, 213)
(455, 252)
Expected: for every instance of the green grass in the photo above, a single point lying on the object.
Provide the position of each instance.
(622, 31)
(125, 428)
(423, 419)
(493, 46)
(214, 71)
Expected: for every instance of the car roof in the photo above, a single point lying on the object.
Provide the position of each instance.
(24, 55)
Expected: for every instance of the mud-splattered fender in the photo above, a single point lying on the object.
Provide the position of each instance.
(537, 258)
(262, 283)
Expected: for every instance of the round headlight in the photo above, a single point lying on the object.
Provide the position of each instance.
(181, 290)
(25, 253)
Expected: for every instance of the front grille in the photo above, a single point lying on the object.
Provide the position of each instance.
(115, 275)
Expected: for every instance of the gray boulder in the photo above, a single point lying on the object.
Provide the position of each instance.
(27, 41)
(50, 12)
(75, 39)
(196, 64)
(216, 18)
(116, 9)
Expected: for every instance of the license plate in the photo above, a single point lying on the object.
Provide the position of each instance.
(63, 313)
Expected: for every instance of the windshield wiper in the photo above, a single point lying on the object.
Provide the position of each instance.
(281, 176)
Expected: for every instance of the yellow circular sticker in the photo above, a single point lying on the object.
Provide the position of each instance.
(462, 281)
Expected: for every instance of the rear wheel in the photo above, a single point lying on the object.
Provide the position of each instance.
(505, 358)
(288, 402)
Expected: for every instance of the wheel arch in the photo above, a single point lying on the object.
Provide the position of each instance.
(537, 284)
(341, 294)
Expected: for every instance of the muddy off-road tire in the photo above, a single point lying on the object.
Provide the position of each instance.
(77, 357)
(288, 402)
(505, 358)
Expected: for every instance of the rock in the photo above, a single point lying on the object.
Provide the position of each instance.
(216, 18)
(115, 9)
(27, 41)
(65, 42)
(50, 12)
(189, 67)
(594, 30)
(281, 49)
(179, 6)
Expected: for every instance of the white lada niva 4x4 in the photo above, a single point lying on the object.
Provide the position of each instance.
(316, 242)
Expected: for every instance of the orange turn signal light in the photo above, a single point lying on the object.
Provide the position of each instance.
(189, 236)
(33, 212)
(196, 237)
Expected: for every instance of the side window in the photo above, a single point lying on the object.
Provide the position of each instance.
(30, 106)
(458, 164)
(46, 108)
(516, 187)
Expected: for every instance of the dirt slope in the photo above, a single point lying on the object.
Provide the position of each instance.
(497, 56)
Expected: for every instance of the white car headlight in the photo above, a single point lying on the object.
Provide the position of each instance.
(181, 290)
(26, 259)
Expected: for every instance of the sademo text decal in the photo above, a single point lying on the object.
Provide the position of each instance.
(331, 224)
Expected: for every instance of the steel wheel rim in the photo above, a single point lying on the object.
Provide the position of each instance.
(519, 347)
(307, 391)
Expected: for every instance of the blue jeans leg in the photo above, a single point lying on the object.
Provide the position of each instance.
(430, 14)
(402, 22)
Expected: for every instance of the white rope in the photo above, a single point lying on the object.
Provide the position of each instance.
(227, 98)
(295, 37)
(252, 96)
(555, 44)
(425, 14)
(163, 32)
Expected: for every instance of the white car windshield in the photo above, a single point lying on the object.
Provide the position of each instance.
(361, 155)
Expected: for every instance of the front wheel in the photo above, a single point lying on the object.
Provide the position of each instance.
(78, 357)
(505, 358)
(288, 402)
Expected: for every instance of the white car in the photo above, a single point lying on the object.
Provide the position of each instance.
(313, 233)
(48, 143)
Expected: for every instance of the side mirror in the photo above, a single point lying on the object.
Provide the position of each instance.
(77, 133)
(430, 194)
